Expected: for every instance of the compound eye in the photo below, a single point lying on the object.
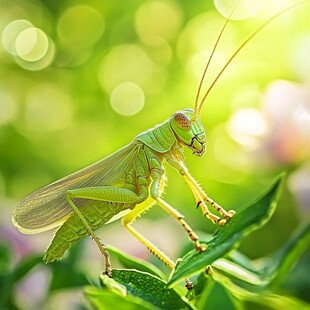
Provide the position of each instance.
(182, 121)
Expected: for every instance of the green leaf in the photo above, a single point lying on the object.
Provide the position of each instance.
(5, 259)
(146, 287)
(112, 285)
(272, 301)
(198, 286)
(9, 278)
(228, 237)
(273, 270)
(216, 296)
(130, 262)
(66, 275)
(25, 266)
(259, 299)
(110, 299)
(285, 259)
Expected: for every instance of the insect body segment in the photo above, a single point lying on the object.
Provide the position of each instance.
(130, 180)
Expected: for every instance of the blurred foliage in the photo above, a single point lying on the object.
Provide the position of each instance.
(233, 282)
(80, 79)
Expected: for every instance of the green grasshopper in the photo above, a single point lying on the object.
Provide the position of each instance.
(127, 182)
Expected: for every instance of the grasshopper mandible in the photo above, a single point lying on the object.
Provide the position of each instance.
(131, 179)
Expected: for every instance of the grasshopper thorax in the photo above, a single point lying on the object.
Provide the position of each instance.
(188, 131)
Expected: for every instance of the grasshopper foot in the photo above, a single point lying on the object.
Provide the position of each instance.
(222, 222)
(108, 272)
(188, 284)
(200, 247)
(227, 218)
(229, 214)
(209, 270)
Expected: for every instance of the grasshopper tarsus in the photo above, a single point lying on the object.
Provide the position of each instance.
(108, 273)
(209, 270)
(189, 284)
(227, 217)
(231, 213)
(222, 222)
(200, 247)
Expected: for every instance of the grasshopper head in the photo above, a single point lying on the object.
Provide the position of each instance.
(189, 132)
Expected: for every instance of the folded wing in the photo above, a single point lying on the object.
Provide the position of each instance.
(47, 207)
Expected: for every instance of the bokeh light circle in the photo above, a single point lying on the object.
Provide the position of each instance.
(243, 9)
(130, 63)
(158, 19)
(127, 98)
(80, 26)
(11, 32)
(247, 127)
(31, 44)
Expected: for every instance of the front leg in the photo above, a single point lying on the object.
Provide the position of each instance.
(199, 194)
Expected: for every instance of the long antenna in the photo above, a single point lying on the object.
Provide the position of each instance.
(248, 39)
(210, 58)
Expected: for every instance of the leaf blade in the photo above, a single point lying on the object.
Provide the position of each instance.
(148, 288)
(227, 237)
(130, 262)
